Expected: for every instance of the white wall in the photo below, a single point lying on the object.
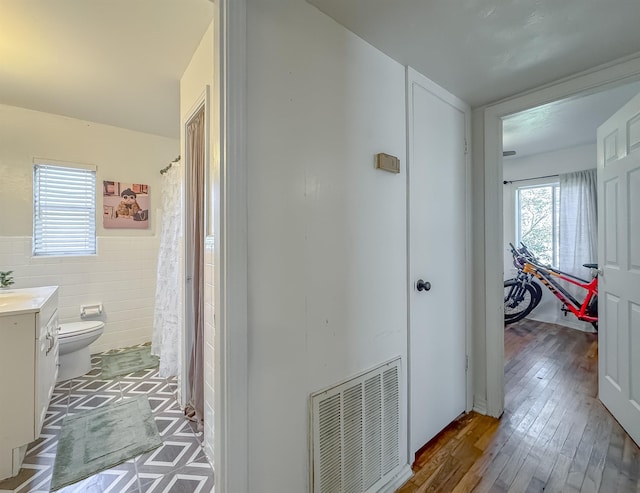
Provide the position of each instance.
(122, 274)
(548, 163)
(327, 231)
(198, 75)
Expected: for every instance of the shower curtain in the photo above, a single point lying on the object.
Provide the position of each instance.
(166, 340)
(196, 160)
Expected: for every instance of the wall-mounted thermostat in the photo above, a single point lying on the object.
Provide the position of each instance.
(388, 163)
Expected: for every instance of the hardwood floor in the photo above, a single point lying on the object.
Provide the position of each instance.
(554, 435)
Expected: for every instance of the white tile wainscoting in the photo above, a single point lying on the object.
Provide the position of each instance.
(209, 353)
(122, 276)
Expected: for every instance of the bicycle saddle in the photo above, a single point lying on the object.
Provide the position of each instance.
(590, 266)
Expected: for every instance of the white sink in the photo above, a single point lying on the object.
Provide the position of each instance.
(21, 300)
(11, 297)
(14, 293)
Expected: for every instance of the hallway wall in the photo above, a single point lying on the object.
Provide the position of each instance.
(327, 231)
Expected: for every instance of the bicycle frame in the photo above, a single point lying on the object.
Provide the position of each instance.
(546, 274)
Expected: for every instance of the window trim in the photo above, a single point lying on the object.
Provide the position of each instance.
(90, 232)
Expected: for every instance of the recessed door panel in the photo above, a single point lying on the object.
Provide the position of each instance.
(611, 312)
(634, 220)
(610, 146)
(633, 133)
(634, 352)
(611, 223)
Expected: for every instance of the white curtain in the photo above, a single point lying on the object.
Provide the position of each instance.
(166, 340)
(578, 229)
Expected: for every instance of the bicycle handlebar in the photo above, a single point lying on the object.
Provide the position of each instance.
(523, 254)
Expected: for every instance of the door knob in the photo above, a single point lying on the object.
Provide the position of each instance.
(423, 285)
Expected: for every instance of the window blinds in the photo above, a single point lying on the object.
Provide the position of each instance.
(64, 210)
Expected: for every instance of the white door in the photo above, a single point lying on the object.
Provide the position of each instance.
(619, 259)
(437, 255)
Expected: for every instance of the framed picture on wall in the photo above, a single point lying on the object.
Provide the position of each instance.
(125, 205)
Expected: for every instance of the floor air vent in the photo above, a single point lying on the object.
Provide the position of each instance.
(355, 430)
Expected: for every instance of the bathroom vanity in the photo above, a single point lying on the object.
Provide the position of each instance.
(28, 369)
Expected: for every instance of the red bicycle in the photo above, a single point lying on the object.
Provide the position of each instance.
(522, 294)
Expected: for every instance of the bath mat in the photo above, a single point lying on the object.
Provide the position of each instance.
(128, 361)
(99, 439)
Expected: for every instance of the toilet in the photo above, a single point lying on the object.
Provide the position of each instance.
(74, 340)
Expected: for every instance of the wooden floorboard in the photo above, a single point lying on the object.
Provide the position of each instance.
(554, 435)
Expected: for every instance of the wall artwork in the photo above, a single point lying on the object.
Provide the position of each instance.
(125, 205)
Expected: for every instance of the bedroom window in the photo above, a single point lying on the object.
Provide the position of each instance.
(64, 209)
(537, 220)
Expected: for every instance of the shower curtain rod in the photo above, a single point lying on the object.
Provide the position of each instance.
(168, 167)
(527, 179)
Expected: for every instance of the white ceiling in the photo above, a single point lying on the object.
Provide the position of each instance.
(486, 50)
(562, 124)
(117, 62)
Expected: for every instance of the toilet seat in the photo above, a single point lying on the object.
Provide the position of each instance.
(78, 328)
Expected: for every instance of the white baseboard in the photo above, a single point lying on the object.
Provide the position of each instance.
(398, 480)
(480, 404)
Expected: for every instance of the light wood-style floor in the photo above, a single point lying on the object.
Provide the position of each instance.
(554, 436)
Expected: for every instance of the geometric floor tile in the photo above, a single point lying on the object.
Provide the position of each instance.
(175, 452)
(90, 402)
(44, 446)
(179, 465)
(167, 456)
(97, 386)
(28, 479)
(159, 403)
(144, 387)
(169, 425)
(55, 415)
(119, 478)
(180, 482)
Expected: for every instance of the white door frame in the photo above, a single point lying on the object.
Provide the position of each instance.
(230, 406)
(488, 275)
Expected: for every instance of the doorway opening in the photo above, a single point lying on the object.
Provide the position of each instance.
(549, 189)
(489, 156)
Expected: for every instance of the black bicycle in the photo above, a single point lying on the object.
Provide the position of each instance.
(521, 294)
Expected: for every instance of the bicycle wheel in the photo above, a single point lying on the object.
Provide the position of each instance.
(519, 300)
(538, 289)
(514, 284)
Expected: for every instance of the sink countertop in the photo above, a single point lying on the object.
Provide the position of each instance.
(24, 300)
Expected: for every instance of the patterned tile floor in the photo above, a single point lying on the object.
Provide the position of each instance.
(178, 466)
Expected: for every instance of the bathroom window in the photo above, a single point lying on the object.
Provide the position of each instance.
(64, 209)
